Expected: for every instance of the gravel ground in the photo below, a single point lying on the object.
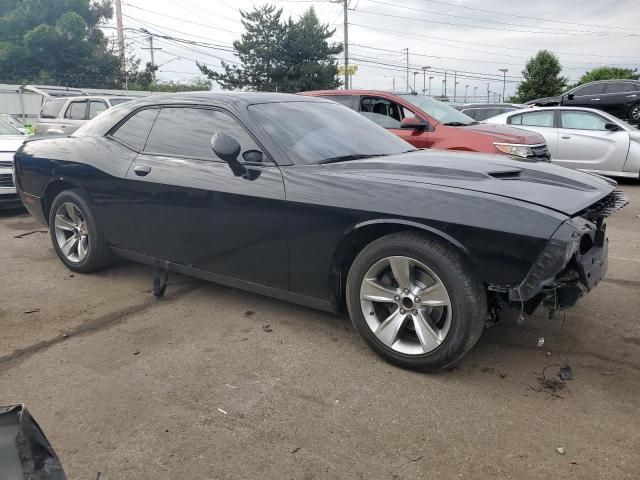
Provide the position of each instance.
(213, 382)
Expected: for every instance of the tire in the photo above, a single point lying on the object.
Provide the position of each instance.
(71, 218)
(434, 334)
(634, 114)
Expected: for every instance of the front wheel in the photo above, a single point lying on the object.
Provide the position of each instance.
(416, 301)
(75, 234)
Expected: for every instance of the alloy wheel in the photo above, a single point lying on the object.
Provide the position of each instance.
(71, 232)
(635, 113)
(406, 305)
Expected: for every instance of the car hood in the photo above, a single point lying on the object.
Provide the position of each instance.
(11, 143)
(505, 134)
(558, 188)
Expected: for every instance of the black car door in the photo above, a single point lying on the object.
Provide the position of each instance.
(619, 97)
(589, 96)
(190, 207)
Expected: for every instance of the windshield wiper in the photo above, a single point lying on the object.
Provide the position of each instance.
(346, 158)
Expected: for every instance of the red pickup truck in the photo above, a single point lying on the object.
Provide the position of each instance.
(428, 123)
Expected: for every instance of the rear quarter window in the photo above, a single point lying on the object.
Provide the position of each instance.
(51, 108)
(135, 130)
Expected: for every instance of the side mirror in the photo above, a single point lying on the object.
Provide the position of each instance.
(570, 96)
(227, 148)
(612, 127)
(413, 123)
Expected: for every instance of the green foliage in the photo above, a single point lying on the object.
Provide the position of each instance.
(608, 73)
(280, 56)
(56, 42)
(541, 78)
(196, 85)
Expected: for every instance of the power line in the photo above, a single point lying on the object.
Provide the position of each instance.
(474, 19)
(538, 32)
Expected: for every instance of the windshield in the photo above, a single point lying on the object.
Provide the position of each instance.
(312, 132)
(438, 110)
(7, 129)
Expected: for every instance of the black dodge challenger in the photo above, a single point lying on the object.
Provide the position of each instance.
(305, 200)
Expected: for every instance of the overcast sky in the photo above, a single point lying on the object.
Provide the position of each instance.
(472, 37)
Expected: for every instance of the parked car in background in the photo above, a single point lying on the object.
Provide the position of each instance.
(582, 138)
(64, 115)
(620, 98)
(428, 123)
(482, 111)
(10, 141)
(305, 200)
(13, 121)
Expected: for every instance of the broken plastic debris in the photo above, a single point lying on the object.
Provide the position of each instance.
(222, 411)
(540, 341)
(560, 450)
(229, 386)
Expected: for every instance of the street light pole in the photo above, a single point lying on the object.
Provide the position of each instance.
(414, 81)
(430, 78)
(424, 79)
(475, 89)
(466, 87)
(504, 80)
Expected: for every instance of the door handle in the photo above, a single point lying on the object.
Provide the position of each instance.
(595, 99)
(632, 96)
(565, 137)
(142, 170)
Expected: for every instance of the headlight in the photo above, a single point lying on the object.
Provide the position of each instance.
(523, 151)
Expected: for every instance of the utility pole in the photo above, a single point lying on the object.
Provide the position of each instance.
(444, 82)
(120, 34)
(504, 80)
(424, 79)
(406, 51)
(151, 49)
(455, 85)
(430, 78)
(466, 87)
(347, 80)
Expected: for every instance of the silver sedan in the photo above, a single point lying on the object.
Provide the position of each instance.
(582, 138)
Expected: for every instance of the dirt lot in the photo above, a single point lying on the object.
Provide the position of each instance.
(218, 383)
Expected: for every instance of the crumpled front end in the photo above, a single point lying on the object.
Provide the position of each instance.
(573, 262)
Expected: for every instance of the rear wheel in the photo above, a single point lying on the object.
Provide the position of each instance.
(417, 302)
(634, 114)
(75, 235)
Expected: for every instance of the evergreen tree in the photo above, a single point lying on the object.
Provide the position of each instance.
(608, 73)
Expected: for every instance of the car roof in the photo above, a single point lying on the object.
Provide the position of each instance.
(354, 92)
(489, 105)
(610, 81)
(230, 98)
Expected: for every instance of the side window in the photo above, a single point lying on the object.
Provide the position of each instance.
(346, 100)
(620, 87)
(76, 111)
(51, 108)
(533, 119)
(593, 89)
(187, 132)
(95, 107)
(385, 113)
(582, 120)
(135, 130)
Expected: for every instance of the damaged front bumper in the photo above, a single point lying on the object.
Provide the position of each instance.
(573, 262)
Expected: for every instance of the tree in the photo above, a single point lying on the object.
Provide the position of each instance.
(609, 73)
(310, 59)
(280, 56)
(541, 78)
(56, 42)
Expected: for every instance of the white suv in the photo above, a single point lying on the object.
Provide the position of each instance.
(64, 115)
